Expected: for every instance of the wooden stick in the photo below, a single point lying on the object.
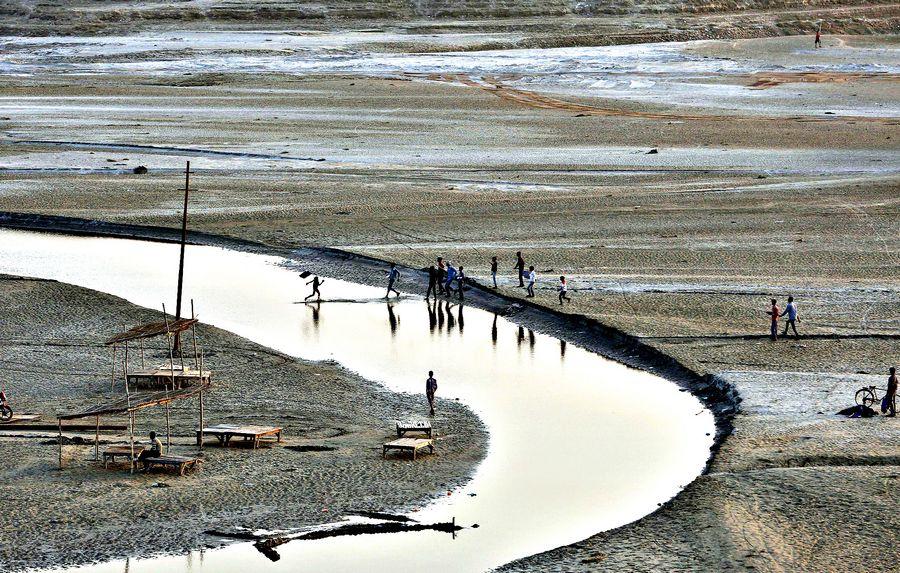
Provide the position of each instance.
(172, 373)
(194, 334)
(201, 400)
(131, 439)
(187, 186)
(97, 441)
(142, 353)
(112, 376)
(59, 422)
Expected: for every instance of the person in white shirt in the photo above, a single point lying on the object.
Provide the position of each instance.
(531, 278)
(563, 289)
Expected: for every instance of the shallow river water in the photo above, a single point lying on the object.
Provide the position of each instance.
(578, 443)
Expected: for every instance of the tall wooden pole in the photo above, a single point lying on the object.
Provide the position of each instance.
(172, 372)
(187, 183)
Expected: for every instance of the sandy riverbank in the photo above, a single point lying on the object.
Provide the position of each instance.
(681, 248)
(53, 353)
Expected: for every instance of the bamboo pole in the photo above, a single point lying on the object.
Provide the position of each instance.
(97, 440)
(172, 375)
(194, 335)
(187, 186)
(112, 375)
(201, 401)
(131, 438)
(130, 413)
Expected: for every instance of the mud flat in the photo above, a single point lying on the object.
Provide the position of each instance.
(746, 197)
(329, 466)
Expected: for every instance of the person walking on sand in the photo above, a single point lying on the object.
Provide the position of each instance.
(460, 282)
(818, 42)
(442, 274)
(774, 312)
(154, 451)
(889, 402)
(432, 282)
(316, 283)
(451, 276)
(563, 290)
(430, 389)
(520, 266)
(494, 270)
(393, 276)
(791, 311)
(531, 278)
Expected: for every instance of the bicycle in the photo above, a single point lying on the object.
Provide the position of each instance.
(6, 412)
(868, 395)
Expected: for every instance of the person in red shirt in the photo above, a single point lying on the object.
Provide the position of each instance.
(774, 312)
(818, 42)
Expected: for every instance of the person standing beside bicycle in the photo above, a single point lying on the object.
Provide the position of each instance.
(889, 402)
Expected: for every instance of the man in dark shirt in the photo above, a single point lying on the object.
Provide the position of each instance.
(890, 399)
(494, 270)
(430, 389)
(442, 274)
(432, 282)
(520, 265)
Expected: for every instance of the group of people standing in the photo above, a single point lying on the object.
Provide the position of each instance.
(445, 279)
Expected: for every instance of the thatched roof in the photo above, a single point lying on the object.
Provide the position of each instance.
(125, 404)
(152, 329)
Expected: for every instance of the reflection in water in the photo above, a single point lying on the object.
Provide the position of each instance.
(432, 316)
(316, 308)
(524, 503)
(440, 313)
(494, 330)
(462, 322)
(392, 318)
(451, 321)
(562, 347)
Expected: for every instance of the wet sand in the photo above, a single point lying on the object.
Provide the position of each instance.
(681, 249)
(54, 355)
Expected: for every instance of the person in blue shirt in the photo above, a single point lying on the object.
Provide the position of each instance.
(791, 312)
(451, 276)
(393, 276)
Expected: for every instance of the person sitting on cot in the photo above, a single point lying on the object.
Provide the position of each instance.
(154, 451)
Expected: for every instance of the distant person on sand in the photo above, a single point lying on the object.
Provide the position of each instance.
(818, 42)
(563, 290)
(460, 281)
(430, 389)
(393, 277)
(432, 282)
(494, 270)
(442, 274)
(531, 278)
(520, 266)
(774, 312)
(889, 402)
(154, 451)
(451, 276)
(316, 283)
(791, 311)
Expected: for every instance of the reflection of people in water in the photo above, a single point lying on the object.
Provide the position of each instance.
(494, 330)
(530, 338)
(432, 318)
(520, 336)
(440, 313)
(316, 283)
(451, 321)
(462, 323)
(392, 319)
(562, 347)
